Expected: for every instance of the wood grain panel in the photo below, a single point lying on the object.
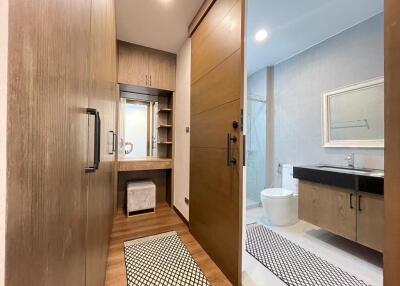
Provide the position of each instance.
(164, 219)
(328, 207)
(215, 124)
(217, 98)
(370, 221)
(146, 164)
(219, 86)
(48, 91)
(133, 64)
(391, 256)
(213, 190)
(214, 16)
(102, 97)
(210, 49)
(162, 69)
(201, 13)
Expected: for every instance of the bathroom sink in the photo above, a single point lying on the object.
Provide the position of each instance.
(367, 172)
(364, 180)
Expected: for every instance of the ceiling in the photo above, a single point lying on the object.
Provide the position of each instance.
(294, 26)
(159, 24)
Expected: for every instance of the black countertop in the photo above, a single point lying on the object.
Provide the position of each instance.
(372, 182)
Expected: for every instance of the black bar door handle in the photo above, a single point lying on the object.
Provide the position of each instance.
(230, 161)
(359, 203)
(97, 140)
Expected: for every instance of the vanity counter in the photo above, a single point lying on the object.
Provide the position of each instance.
(143, 164)
(363, 180)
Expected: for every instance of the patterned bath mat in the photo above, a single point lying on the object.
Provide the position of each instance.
(291, 263)
(161, 260)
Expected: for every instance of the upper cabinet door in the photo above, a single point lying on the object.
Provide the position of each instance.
(133, 64)
(162, 70)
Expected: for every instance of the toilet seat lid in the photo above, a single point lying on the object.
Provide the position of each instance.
(277, 193)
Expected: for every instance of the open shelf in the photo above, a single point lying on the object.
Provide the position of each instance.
(165, 126)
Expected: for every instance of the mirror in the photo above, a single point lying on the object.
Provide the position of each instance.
(354, 116)
(138, 117)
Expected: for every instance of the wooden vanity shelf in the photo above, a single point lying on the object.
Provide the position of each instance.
(165, 110)
(165, 126)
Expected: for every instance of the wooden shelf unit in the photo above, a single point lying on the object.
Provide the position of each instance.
(165, 126)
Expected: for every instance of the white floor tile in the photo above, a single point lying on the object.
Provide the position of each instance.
(357, 260)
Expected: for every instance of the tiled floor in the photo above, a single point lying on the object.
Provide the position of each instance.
(357, 260)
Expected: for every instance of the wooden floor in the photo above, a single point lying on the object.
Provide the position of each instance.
(163, 220)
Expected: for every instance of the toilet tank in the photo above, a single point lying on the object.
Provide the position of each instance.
(288, 182)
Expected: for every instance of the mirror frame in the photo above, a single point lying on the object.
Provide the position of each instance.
(327, 141)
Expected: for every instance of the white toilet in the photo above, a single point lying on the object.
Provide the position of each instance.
(281, 204)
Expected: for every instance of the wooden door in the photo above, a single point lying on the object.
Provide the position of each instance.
(133, 64)
(391, 255)
(216, 102)
(102, 98)
(370, 220)
(48, 86)
(162, 67)
(328, 207)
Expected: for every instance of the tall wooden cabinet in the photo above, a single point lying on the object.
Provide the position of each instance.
(141, 66)
(58, 216)
(100, 204)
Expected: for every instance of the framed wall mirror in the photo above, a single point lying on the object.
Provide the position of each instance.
(138, 117)
(353, 116)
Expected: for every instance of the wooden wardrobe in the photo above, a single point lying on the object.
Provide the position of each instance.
(62, 60)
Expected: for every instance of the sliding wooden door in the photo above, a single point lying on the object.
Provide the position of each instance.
(391, 253)
(48, 87)
(102, 98)
(216, 138)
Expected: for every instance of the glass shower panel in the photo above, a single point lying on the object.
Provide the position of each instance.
(256, 148)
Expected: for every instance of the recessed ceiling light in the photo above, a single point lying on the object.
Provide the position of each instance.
(261, 35)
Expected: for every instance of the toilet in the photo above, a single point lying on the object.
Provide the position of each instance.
(281, 204)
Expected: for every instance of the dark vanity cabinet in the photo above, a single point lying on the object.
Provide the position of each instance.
(347, 212)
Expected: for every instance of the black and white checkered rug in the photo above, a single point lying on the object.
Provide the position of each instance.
(161, 260)
(291, 263)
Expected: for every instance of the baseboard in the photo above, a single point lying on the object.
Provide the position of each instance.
(181, 215)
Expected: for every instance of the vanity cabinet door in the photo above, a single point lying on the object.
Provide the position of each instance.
(370, 220)
(328, 207)
(133, 64)
(162, 70)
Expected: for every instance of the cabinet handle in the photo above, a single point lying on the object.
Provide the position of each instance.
(359, 203)
(351, 200)
(147, 81)
(150, 80)
(97, 140)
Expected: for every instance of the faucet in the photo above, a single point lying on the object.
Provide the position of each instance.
(350, 160)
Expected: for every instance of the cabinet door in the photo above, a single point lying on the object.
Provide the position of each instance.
(102, 98)
(133, 64)
(370, 221)
(48, 84)
(328, 207)
(162, 70)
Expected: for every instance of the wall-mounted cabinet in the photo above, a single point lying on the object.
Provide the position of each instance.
(146, 67)
(357, 216)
